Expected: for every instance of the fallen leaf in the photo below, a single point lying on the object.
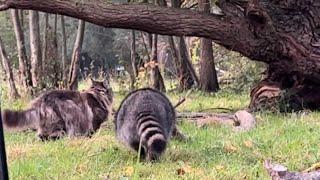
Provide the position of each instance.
(219, 167)
(183, 170)
(230, 148)
(248, 144)
(128, 171)
(314, 167)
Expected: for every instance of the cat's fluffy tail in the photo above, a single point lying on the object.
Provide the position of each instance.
(19, 119)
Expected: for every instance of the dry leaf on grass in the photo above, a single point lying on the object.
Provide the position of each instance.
(248, 144)
(128, 171)
(314, 167)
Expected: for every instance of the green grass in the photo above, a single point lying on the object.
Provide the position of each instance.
(214, 152)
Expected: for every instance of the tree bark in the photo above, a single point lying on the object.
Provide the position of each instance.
(155, 75)
(145, 46)
(175, 54)
(8, 71)
(35, 47)
(134, 72)
(208, 74)
(45, 39)
(74, 67)
(133, 53)
(64, 52)
(21, 17)
(187, 75)
(283, 34)
(24, 68)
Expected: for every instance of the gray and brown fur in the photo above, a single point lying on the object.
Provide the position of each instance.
(57, 113)
(145, 116)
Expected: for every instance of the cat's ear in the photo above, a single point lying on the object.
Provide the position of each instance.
(93, 82)
(106, 83)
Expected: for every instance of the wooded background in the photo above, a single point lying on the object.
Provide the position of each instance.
(48, 50)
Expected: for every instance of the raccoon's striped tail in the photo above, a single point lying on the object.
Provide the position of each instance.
(152, 136)
(19, 119)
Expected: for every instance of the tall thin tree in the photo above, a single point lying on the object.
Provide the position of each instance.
(45, 38)
(74, 67)
(35, 47)
(133, 58)
(8, 71)
(24, 68)
(64, 52)
(156, 77)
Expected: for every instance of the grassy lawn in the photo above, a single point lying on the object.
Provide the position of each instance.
(214, 152)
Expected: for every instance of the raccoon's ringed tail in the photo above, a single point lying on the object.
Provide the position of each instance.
(147, 124)
(150, 130)
(155, 137)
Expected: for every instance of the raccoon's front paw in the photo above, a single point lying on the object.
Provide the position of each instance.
(57, 135)
(178, 135)
(42, 137)
(90, 133)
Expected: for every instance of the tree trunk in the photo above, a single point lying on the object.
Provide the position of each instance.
(21, 17)
(45, 39)
(155, 75)
(8, 71)
(175, 54)
(24, 69)
(64, 52)
(57, 63)
(133, 53)
(187, 75)
(145, 46)
(74, 67)
(283, 34)
(134, 73)
(35, 47)
(208, 74)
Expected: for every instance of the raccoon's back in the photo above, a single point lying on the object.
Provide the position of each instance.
(144, 115)
(144, 101)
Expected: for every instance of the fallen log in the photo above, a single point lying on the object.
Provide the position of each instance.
(279, 172)
(241, 120)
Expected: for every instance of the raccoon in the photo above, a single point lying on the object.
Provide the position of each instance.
(145, 119)
(57, 113)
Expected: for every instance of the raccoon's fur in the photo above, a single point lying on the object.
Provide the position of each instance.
(57, 113)
(145, 116)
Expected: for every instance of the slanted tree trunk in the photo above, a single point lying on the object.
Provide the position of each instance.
(175, 54)
(208, 74)
(8, 71)
(74, 67)
(155, 75)
(187, 75)
(64, 52)
(283, 33)
(145, 46)
(24, 69)
(35, 47)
